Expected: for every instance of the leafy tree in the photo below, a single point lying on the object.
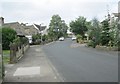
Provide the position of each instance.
(57, 27)
(79, 26)
(8, 35)
(114, 31)
(94, 32)
(105, 34)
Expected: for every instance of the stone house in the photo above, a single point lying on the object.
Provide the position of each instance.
(16, 26)
(42, 29)
(22, 29)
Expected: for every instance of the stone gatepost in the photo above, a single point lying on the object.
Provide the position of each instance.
(13, 49)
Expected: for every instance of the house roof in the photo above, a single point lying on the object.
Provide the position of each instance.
(41, 28)
(116, 14)
(17, 27)
(30, 29)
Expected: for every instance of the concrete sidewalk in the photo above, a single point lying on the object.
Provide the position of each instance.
(33, 67)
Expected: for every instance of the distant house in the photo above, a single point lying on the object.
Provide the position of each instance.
(30, 30)
(42, 29)
(14, 25)
(17, 27)
(118, 14)
(24, 30)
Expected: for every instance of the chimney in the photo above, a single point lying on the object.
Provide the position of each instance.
(1, 21)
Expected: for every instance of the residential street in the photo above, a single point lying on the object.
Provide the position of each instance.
(64, 61)
(77, 63)
(33, 67)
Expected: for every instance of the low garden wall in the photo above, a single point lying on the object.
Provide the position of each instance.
(17, 52)
(107, 48)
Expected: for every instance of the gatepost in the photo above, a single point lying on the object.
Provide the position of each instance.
(1, 56)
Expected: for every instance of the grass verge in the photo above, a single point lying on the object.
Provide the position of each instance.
(6, 56)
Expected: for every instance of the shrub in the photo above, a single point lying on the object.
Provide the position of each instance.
(36, 39)
(79, 38)
(91, 43)
(8, 35)
(24, 40)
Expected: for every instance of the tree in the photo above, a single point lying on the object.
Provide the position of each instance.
(94, 32)
(114, 31)
(57, 27)
(8, 35)
(105, 34)
(79, 26)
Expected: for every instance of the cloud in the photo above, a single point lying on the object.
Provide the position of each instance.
(40, 11)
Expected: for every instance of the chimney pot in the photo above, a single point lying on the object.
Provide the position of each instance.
(1, 21)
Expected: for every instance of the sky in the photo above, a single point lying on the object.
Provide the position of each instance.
(41, 11)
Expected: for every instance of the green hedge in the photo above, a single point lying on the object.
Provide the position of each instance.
(8, 35)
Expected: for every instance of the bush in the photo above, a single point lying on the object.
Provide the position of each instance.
(91, 43)
(79, 39)
(36, 39)
(8, 35)
(24, 40)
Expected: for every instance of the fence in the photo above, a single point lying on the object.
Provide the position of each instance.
(17, 52)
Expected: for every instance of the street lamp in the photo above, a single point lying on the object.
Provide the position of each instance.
(41, 36)
(40, 32)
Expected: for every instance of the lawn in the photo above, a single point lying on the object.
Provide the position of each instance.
(6, 56)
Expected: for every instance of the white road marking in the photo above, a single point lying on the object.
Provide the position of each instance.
(23, 71)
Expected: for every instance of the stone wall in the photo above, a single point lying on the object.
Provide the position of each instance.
(17, 52)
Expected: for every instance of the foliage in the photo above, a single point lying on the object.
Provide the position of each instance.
(8, 35)
(45, 38)
(36, 39)
(17, 40)
(94, 33)
(105, 35)
(24, 40)
(6, 56)
(91, 43)
(78, 38)
(79, 26)
(114, 33)
(57, 27)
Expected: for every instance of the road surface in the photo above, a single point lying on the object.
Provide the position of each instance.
(77, 63)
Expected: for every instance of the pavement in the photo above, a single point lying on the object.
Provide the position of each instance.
(34, 66)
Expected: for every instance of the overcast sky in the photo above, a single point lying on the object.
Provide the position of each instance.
(41, 11)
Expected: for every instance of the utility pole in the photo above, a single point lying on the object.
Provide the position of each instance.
(41, 33)
(119, 16)
(108, 14)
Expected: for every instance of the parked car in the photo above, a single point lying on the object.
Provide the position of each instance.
(73, 38)
(61, 39)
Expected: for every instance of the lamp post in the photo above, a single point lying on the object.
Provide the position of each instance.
(41, 33)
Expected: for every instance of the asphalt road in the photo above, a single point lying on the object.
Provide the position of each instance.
(76, 63)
